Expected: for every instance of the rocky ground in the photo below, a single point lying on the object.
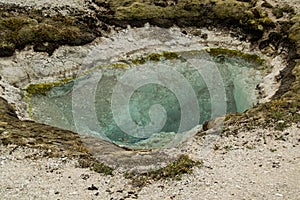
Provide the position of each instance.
(255, 156)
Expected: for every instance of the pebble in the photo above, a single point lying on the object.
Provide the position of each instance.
(3, 123)
(74, 193)
(84, 176)
(279, 195)
(92, 187)
(1, 130)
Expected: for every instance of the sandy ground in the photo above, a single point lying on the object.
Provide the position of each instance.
(266, 171)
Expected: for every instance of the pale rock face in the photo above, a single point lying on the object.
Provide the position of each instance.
(14, 75)
(45, 3)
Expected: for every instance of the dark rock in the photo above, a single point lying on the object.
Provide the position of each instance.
(204, 36)
(101, 3)
(6, 50)
(245, 0)
(263, 44)
(84, 176)
(287, 78)
(277, 12)
(92, 187)
(266, 5)
(161, 3)
(131, 192)
(275, 38)
(45, 47)
(5, 108)
(288, 9)
(256, 13)
(285, 27)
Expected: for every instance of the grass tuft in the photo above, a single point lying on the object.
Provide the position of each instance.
(183, 165)
(102, 168)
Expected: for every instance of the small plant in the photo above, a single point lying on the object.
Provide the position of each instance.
(102, 168)
(250, 147)
(281, 125)
(277, 114)
(280, 137)
(228, 147)
(216, 147)
(277, 12)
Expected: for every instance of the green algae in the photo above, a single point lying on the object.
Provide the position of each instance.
(139, 61)
(235, 53)
(119, 65)
(169, 55)
(43, 88)
(155, 57)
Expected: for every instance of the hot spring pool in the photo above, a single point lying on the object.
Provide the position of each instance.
(149, 102)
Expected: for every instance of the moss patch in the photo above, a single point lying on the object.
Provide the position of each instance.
(174, 170)
(102, 168)
(55, 141)
(190, 13)
(276, 114)
(294, 32)
(30, 27)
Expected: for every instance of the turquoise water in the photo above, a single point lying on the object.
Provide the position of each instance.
(153, 104)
